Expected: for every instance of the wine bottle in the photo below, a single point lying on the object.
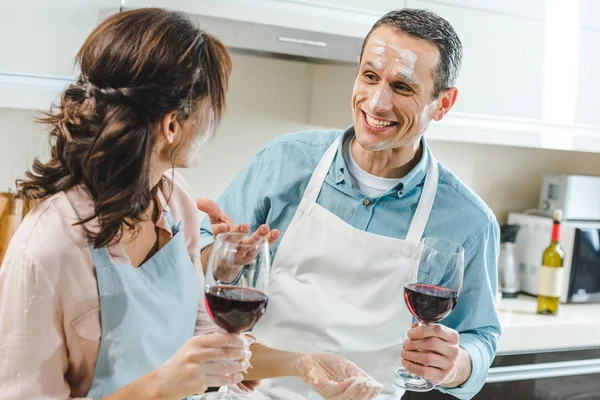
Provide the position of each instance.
(551, 272)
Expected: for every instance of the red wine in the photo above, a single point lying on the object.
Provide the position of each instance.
(235, 309)
(429, 303)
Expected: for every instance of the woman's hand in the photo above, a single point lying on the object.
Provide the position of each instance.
(336, 378)
(210, 360)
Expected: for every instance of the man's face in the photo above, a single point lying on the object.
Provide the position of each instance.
(392, 101)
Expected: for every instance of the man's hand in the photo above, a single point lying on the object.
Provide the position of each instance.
(221, 222)
(433, 352)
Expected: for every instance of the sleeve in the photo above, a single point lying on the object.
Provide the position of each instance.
(245, 199)
(475, 316)
(33, 355)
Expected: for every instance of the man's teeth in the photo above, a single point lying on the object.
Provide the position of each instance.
(377, 122)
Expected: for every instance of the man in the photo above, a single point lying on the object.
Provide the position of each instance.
(351, 206)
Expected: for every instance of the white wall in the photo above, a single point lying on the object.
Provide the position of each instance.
(266, 98)
(510, 178)
(271, 97)
(21, 140)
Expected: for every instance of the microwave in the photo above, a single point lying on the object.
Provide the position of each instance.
(578, 196)
(581, 244)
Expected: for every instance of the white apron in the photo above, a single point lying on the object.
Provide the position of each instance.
(335, 288)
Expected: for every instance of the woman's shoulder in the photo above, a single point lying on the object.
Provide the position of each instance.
(48, 222)
(48, 235)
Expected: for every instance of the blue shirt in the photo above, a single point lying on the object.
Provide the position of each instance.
(269, 191)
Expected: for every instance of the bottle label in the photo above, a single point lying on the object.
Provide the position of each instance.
(551, 281)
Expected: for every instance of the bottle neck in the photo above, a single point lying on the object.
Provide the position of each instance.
(555, 238)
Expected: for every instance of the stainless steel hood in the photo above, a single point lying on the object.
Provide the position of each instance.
(282, 42)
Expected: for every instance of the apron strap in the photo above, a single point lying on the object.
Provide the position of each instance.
(171, 221)
(318, 177)
(419, 221)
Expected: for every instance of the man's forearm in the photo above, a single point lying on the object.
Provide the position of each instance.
(462, 370)
(270, 363)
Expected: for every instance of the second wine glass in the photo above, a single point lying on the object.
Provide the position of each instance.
(431, 292)
(237, 285)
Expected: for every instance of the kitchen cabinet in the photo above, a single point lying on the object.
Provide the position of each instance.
(30, 91)
(588, 78)
(534, 9)
(43, 37)
(39, 42)
(589, 14)
(529, 75)
(514, 88)
(502, 71)
(306, 15)
(378, 7)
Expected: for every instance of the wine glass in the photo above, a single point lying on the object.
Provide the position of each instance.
(431, 291)
(237, 283)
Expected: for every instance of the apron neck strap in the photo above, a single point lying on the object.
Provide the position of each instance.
(419, 221)
(170, 220)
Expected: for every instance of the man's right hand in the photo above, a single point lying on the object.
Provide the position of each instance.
(221, 222)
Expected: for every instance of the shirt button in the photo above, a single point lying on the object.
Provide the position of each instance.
(366, 202)
(340, 178)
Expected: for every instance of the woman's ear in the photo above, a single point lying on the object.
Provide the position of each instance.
(170, 127)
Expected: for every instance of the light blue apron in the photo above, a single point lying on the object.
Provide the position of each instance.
(146, 313)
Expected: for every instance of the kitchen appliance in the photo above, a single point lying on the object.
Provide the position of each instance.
(580, 241)
(508, 274)
(578, 196)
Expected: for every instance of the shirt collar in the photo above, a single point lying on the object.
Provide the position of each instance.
(408, 183)
(419, 172)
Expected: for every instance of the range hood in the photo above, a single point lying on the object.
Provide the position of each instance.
(282, 42)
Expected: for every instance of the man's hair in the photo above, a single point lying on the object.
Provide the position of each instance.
(426, 25)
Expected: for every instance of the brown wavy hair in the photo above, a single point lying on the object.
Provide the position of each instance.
(136, 67)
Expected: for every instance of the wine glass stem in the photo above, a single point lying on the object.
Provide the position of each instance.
(228, 391)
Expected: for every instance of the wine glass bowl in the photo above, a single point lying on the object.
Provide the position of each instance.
(433, 285)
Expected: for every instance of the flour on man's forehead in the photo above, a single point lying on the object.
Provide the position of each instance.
(404, 59)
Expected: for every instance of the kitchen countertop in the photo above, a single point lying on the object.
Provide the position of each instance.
(524, 331)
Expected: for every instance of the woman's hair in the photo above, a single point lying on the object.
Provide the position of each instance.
(136, 67)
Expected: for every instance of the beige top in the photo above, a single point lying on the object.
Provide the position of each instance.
(49, 305)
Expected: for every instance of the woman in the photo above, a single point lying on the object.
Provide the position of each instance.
(100, 289)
